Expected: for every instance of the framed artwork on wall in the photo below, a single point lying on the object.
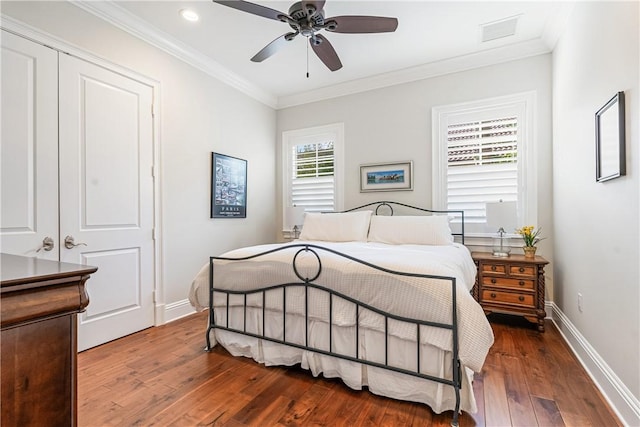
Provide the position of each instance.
(228, 187)
(610, 140)
(386, 177)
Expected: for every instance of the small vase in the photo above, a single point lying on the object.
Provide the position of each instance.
(529, 251)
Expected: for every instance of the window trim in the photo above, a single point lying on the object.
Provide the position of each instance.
(291, 138)
(525, 104)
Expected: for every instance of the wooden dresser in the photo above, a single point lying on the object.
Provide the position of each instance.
(511, 285)
(39, 302)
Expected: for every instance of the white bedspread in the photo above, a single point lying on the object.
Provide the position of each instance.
(416, 298)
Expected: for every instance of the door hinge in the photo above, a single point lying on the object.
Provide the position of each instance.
(154, 297)
(153, 234)
(153, 171)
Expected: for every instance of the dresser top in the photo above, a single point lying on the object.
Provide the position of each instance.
(487, 256)
(16, 270)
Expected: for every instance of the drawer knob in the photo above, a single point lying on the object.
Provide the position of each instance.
(493, 268)
(520, 298)
(521, 269)
(521, 283)
(493, 280)
(493, 295)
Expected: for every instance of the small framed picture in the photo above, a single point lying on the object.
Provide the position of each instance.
(386, 177)
(610, 140)
(228, 187)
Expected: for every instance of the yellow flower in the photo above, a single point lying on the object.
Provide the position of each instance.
(529, 235)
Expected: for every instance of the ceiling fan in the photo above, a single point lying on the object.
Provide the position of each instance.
(307, 18)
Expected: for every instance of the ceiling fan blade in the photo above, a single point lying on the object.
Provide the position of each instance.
(361, 24)
(273, 47)
(325, 52)
(253, 8)
(317, 5)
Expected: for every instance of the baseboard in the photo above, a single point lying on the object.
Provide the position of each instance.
(177, 310)
(622, 401)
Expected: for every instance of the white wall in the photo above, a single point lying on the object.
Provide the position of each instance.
(198, 114)
(394, 123)
(596, 238)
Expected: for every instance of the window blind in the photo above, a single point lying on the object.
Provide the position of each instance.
(482, 165)
(312, 183)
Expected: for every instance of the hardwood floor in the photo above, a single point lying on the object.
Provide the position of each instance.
(163, 377)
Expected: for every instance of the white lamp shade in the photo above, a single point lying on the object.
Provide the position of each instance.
(502, 214)
(295, 216)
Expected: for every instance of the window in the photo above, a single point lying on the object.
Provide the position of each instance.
(312, 176)
(483, 152)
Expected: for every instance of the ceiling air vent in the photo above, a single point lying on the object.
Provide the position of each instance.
(499, 29)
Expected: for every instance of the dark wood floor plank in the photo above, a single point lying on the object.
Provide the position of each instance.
(398, 413)
(496, 405)
(324, 413)
(162, 376)
(478, 391)
(264, 388)
(373, 413)
(299, 412)
(535, 357)
(213, 401)
(547, 412)
(518, 398)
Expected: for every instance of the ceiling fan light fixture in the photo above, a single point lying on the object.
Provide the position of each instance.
(331, 25)
(307, 18)
(189, 15)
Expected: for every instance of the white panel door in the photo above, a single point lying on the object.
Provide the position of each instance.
(29, 148)
(106, 196)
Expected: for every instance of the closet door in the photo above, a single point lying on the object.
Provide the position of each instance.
(29, 148)
(106, 196)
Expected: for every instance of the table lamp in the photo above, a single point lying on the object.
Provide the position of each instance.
(501, 216)
(295, 218)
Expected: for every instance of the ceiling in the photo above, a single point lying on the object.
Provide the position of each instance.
(433, 38)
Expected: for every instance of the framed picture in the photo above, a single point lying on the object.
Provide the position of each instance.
(610, 140)
(386, 177)
(228, 187)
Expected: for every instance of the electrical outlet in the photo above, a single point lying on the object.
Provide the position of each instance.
(580, 302)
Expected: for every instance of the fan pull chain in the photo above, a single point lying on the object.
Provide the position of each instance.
(307, 60)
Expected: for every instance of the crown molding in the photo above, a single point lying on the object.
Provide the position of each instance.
(420, 72)
(556, 25)
(125, 20)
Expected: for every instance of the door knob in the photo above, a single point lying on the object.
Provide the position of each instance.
(70, 243)
(47, 244)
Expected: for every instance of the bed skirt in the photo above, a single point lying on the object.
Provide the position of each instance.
(402, 354)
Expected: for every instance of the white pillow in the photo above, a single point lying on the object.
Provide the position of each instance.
(336, 227)
(407, 230)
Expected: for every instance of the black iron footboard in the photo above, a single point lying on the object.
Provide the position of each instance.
(308, 283)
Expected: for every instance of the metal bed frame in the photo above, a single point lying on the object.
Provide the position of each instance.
(308, 283)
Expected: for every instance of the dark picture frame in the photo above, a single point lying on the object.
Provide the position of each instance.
(610, 140)
(228, 186)
(394, 176)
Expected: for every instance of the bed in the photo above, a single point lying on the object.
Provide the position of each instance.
(379, 300)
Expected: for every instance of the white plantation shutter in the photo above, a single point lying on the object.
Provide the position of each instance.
(482, 165)
(483, 151)
(313, 179)
(312, 175)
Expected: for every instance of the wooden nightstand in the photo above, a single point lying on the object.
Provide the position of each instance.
(511, 285)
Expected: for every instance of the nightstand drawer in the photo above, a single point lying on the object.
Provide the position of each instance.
(489, 295)
(494, 268)
(504, 282)
(522, 270)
